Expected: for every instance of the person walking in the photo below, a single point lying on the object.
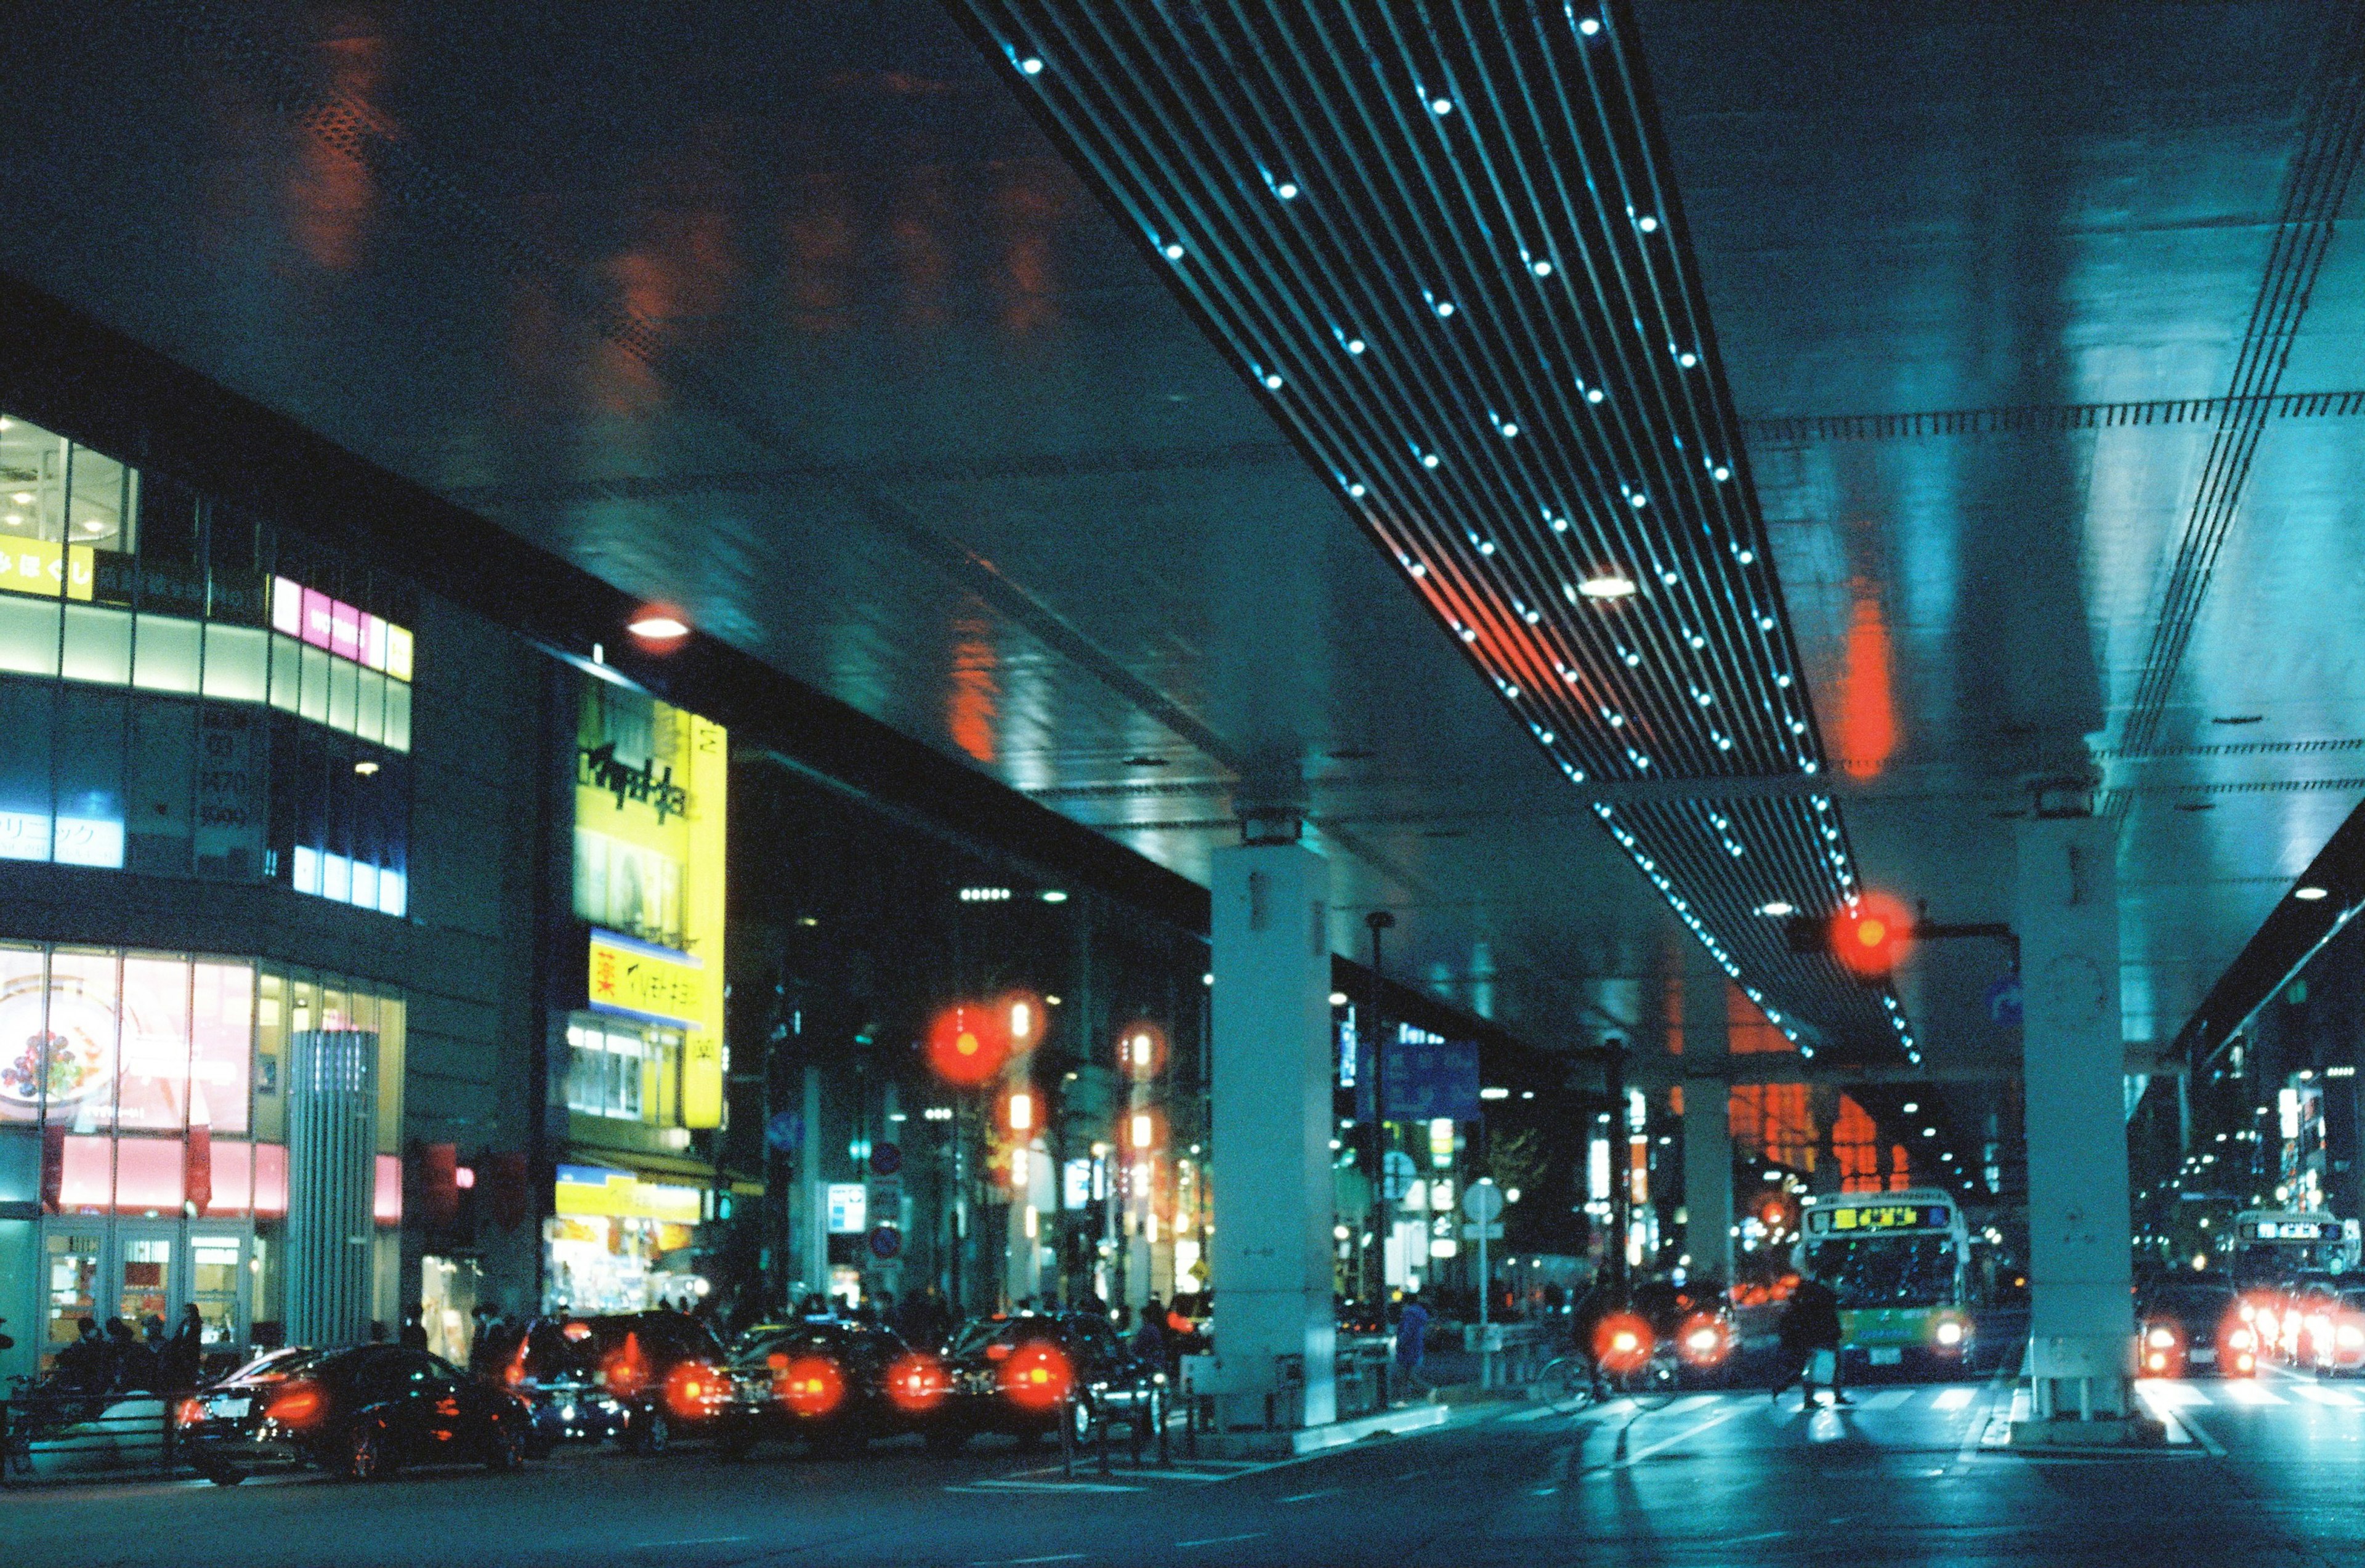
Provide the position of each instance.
(1149, 1339)
(185, 1354)
(1412, 1334)
(1811, 1327)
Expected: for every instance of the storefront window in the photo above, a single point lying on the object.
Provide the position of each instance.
(619, 1071)
(141, 1109)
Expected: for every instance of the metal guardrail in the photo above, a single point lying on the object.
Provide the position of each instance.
(54, 1437)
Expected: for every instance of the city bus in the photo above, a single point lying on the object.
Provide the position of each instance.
(2272, 1246)
(1900, 1265)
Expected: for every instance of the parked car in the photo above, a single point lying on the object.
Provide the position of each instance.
(552, 1364)
(362, 1412)
(836, 1385)
(2341, 1347)
(1016, 1374)
(2193, 1327)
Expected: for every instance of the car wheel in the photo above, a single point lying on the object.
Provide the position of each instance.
(507, 1451)
(222, 1474)
(650, 1433)
(1080, 1420)
(367, 1454)
(947, 1441)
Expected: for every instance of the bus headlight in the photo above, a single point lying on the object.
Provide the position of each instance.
(1950, 1333)
(2161, 1339)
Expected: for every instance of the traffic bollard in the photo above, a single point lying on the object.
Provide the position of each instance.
(1068, 1434)
(1134, 1418)
(1165, 1418)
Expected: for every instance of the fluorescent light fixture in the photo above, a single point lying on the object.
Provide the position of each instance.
(1055, 895)
(658, 627)
(1337, 999)
(2308, 894)
(1607, 585)
(1492, 1092)
(1777, 908)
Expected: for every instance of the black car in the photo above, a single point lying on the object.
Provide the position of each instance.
(1016, 1374)
(362, 1412)
(1696, 1317)
(640, 1377)
(2194, 1327)
(836, 1385)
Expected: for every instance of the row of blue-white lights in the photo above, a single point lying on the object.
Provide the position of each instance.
(1442, 107)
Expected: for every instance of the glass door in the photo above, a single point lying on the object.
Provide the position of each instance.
(219, 1285)
(144, 1283)
(70, 1258)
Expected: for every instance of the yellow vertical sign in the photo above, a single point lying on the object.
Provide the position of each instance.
(703, 917)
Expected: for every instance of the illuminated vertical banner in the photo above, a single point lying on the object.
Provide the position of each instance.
(652, 808)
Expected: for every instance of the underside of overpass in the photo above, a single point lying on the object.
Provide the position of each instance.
(1624, 480)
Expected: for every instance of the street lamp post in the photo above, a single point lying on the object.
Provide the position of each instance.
(1379, 920)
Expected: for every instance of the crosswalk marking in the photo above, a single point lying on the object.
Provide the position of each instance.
(2242, 1391)
(2162, 1395)
(2339, 1398)
(1889, 1399)
(1955, 1398)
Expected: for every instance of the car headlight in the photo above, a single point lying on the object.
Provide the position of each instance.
(2353, 1336)
(1950, 1333)
(2241, 1339)
(2161, 1339)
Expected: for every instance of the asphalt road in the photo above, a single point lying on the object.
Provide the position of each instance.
(2264, 1473)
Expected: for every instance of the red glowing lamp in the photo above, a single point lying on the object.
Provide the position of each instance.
(1035, 1377)
(1622, 1342)
(917, 1382)
(692, 1389)
(968, 1043)
(810, 1386)
(1872, 935)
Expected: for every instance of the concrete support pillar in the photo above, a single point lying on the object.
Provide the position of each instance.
(1708, 1128)
(2081, 1331)
(1271, 1251)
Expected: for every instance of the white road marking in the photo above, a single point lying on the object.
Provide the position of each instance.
(2243, 1390)
(1219, 1539)
(1309, 1496)
(2339, 1399)
(1732, 1408)
(1889, 1399)
(2163, 1395)
(1956, 1398)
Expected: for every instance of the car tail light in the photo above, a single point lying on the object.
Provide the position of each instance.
(1703, 1341)
(810, 1386)
(692, 1389)
(1622, 1341)
(1036, 1376)
(297, 1405)
(998, 1353)
(189, 1413)
(917, 1382)
(627, 1370)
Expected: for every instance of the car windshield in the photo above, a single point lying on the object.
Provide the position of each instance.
(984, 1331)
(2203, 1304)
(1887, 1271)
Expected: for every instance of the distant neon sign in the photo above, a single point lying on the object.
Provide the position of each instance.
(312, 617)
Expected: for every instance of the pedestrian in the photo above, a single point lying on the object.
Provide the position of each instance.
(414, 1330)
(485, 1319)
(1150, 1341)
(130, 1364)
(185, 1356)
(1810, 1329)
(85, 1365)
(1412, 1334)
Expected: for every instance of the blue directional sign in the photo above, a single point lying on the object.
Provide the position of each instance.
(1427, 1078)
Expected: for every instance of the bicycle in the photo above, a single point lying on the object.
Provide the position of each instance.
(1569, 1383)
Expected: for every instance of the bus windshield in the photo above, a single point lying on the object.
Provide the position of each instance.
(1895, 1270)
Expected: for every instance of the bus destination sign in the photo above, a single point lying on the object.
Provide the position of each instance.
(1861, 1218)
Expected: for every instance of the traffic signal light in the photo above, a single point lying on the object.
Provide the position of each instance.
(1872, 935)
(1869, 938)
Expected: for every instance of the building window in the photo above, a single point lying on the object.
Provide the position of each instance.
(619, 1071)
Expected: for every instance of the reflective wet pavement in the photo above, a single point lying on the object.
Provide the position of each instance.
(2265, 1473)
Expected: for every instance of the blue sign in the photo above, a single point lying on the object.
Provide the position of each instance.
(1428, 1079)
(886, 1242)
(2003, 1001)
(785, 1131)
(885, 1160)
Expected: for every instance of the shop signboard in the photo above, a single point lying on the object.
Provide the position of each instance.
(40, 565)
(595, 1191)
(1426, 1079)
(850, 1208)
(641, 979)
(651, 813)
